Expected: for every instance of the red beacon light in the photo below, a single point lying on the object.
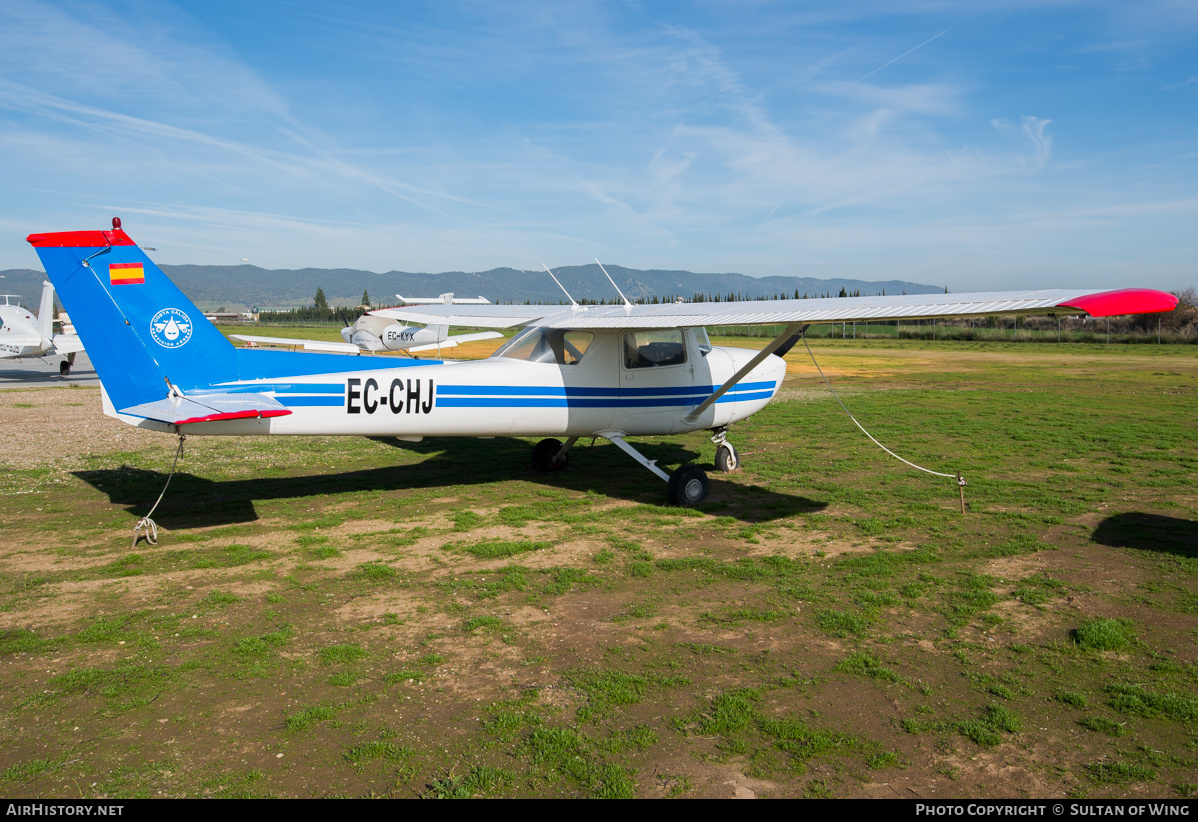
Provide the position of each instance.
(116, 223)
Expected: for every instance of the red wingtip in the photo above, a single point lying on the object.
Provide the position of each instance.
(1123, 301)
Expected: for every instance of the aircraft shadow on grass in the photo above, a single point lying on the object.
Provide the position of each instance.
(194, 501)
(1149, 532)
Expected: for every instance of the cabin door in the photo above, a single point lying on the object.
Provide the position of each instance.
(656, 372)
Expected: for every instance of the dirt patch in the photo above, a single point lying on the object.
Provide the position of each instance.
(60, 427)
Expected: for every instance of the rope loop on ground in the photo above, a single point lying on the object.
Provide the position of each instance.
(956, 476)
(145, 526)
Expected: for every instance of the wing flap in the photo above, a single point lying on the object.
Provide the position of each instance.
(208, 408)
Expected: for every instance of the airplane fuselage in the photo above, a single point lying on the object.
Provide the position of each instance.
(603, 391)
(19, 336)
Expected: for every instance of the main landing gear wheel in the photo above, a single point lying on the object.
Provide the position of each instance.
(64, 368)
(726, 458)
(687, 487)
(543, 453)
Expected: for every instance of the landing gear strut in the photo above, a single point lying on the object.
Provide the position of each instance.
(685, 488)
(726, 458)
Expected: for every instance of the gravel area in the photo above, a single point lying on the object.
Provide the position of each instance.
(60, 427)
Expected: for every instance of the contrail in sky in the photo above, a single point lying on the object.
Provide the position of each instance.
(900, 57)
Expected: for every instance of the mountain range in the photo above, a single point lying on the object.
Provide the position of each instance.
(240, 287)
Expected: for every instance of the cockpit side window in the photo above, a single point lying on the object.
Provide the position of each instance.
(547, 345)
(702, 340)
(653, 349)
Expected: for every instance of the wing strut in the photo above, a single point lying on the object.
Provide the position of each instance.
(783, 342)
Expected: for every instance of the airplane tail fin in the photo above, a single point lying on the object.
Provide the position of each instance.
(45, 314)
(141, 332)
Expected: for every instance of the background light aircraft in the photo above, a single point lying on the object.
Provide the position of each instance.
(571, 372)
(24, 335)
(377, 332)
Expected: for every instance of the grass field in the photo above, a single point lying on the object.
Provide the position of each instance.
(361, 617)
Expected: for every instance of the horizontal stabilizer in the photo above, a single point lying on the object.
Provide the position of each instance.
(67, 344)
(307, 345)
(208, 408)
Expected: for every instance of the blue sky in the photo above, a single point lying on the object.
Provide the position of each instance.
(979, 145)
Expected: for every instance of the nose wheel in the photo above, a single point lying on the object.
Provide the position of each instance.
(551, 455)
(726, 458)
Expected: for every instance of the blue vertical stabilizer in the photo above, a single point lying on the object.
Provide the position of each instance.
(139, 328)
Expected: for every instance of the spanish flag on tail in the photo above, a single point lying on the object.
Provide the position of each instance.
(126, 274)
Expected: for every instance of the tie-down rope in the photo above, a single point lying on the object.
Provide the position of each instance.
(145, 523)
(959, 478)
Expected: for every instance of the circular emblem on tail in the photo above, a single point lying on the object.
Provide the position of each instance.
(170, 328)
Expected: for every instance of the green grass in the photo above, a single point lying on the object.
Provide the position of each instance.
(331, 599)
(1136, 699)
(496, 549)
(843, 623)
(306, 718)
(1117, 773)
(375, 572)
(862, 664)
(479, 781)
(342, 654)
(1077, 700)
(1104, 634)
(1102, 725)
(372, 751)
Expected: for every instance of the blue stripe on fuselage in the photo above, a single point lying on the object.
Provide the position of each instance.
(582, 391)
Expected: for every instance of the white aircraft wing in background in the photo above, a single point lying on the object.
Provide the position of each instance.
(306, 345)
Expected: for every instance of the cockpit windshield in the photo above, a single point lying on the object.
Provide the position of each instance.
(547, 345)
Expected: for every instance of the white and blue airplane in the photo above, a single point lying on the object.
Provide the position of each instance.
(24, 335)
(571, 371)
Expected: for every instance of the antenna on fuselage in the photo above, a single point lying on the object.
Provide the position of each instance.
(562, 287)
(613, 284)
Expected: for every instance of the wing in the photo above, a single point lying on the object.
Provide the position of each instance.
(824, 310)
(472, 316)
(307, 345)
(450, 342)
